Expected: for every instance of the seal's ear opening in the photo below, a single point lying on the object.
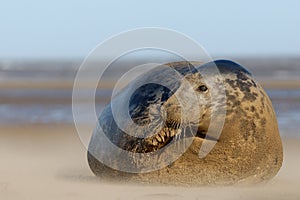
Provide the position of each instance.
(202, 88)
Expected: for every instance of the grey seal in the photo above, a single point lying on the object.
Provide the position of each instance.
(249, 149)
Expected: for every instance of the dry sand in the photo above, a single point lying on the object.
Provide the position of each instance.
(49, 162)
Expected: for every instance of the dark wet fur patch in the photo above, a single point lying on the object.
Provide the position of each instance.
(263, 122)
(227, 66)
(248, 128)
(145, 96)
(244, 86)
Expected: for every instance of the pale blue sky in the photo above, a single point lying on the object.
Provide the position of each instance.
(71, 29)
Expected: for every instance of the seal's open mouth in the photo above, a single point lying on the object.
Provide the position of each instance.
(163, 137)
(171, 131)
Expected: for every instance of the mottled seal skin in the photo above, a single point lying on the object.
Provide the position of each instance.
(249, 149)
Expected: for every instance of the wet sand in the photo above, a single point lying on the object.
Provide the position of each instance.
(49, 162)
(266, 82)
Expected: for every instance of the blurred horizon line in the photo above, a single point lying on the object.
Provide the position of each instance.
(215, 56)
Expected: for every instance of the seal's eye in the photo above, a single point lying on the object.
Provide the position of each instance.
(202, 88)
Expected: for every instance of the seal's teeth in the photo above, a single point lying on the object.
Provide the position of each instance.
(158, 138)
(168, 133)
(163, 138)
(154, 142)
(172, 133)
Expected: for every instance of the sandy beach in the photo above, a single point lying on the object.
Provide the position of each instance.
(49, 162)
(42, 156)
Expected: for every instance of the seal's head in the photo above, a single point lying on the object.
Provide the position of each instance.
(202, 95)
(188, 105)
